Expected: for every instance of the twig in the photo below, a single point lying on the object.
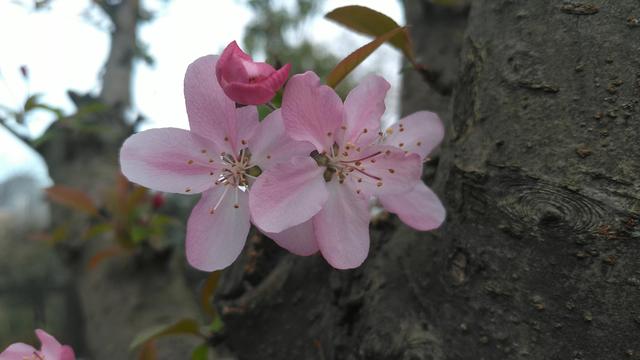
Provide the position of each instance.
(23, 138)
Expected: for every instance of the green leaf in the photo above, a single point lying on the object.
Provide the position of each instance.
(200, 353)
(373, 23)
(73, 198)
(208, 290)
(97, 229)
(217, 325)
(139, 233)
(263, 111)
(32, 102)
(354, 59)
(181, 327)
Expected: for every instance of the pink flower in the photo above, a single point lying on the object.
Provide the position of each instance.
(321, 202)
(51, 350)
(225, 148)
(420, 207)
(245, 81)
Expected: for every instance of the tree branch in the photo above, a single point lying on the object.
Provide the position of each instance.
(22, 138)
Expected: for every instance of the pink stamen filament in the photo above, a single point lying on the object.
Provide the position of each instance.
(226, 188)
(365, 173)
(361, 159)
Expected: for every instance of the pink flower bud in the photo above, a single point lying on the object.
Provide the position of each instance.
(157, 201)
(245, 81)
(24, 70)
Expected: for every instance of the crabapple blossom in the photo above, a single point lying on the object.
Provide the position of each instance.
(245, 81)
(322, 201)
(220, 156)
(420, 207)
(51, 350)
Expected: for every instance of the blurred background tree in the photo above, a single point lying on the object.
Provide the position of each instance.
(100, 308)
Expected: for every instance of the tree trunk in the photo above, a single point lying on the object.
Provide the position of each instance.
(123, 296)
(538, 258)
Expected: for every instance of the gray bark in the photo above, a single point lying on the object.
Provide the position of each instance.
(116, 80)
(124, 296)
(538, 258)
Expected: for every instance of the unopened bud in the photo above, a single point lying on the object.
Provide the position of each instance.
(24, 70)
(157, 201)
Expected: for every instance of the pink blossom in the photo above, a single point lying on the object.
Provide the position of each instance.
(51, 350)
(245, 81)
(420, 207)
(321, 202)
(225, 148)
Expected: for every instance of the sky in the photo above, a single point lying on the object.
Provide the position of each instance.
(62, 50)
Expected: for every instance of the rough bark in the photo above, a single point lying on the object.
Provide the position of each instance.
(539, 173)
(541, 179)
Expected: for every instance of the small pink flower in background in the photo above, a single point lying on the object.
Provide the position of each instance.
(157, 201)
(245, 81)
(51, 350)
(321, 202)
(225, 148)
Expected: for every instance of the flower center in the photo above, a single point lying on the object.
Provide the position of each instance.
(342, 164)
(238, 170)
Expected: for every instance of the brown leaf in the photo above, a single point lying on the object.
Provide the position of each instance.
(73, 198)
(208, 290)
(371, 22)
(148, 351)
(104, 254)
(355, 58)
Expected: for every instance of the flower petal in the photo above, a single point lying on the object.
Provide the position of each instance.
(67, 353)
(384, 170)
(51, 348)
(287, 195)
(419, 208)
(244, 128)
(276, 79)
(311, 111)
(342, 227)
(418, 133)
(217, 230)
(363, 110)
(170, 160)
(17, 351)
(231, 65)
(211, 112)
(300, 239)
(248, 93)
(271, 144)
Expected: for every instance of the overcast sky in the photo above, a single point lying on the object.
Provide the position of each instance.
(63, 51)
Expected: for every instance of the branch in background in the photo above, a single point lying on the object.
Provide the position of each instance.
(23, 138)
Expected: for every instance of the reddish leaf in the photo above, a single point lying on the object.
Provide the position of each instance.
(148, 351)
(370, 22)
(355, 58)
(104, 254)
(73, 198)
(208, 290)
